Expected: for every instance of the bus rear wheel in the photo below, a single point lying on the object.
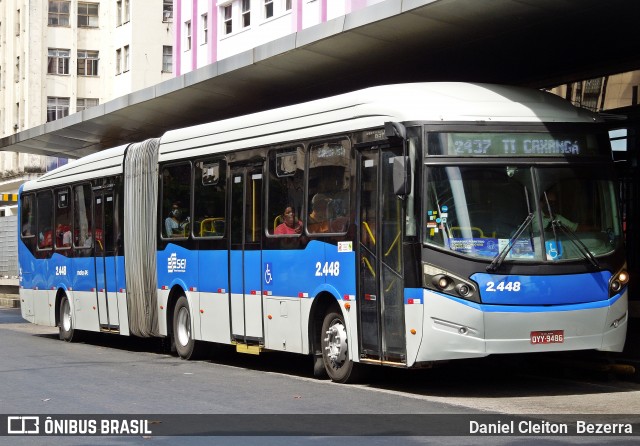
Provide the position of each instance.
(186, 346)
(67, 331)
(335, 349)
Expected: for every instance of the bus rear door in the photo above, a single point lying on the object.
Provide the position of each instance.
(104, 251)
(380, 279)
(246, 254)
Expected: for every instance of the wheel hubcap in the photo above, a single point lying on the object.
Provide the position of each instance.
(336, 343)
(184, 327)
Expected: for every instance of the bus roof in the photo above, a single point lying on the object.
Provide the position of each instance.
(101, 164)
(371, 107)
(362, 109)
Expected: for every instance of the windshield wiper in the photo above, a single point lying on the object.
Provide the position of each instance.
(577, 242)
(497, 260)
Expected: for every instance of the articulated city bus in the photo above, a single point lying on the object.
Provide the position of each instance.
(398, 225)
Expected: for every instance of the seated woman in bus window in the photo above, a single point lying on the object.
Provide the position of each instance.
(318, 217)
(173, 226)
(290, 224)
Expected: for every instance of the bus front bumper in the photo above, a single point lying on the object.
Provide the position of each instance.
(455, 329)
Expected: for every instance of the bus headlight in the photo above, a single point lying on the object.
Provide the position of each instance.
(618, 281)
(437, 279)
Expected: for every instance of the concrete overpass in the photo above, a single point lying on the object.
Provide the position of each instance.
(535, 43)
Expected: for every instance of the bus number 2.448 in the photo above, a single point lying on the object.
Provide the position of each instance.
(327, 269)
(503, 286)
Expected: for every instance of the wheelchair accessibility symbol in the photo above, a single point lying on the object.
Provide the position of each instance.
(268, 278)
(554, 250)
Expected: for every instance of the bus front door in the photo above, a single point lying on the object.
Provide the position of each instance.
(104, 253)
(246, 255)
(380, 278)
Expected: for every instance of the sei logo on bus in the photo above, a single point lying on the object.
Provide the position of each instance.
(328, 269)
(503, 286)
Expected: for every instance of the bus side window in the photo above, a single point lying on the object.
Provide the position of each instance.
(285, 191)
(82, 235)
(209, 194)
(176, 201)
(27, 216)
(28, 222)
(62, 219)
(45, 219)
(329, 184)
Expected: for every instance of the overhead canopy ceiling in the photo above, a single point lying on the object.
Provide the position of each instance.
(537, 43)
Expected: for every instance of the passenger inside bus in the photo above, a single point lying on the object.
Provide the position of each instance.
(26, 227)
(172, 224)
(290, 224)
(63, 233)
(318, 217)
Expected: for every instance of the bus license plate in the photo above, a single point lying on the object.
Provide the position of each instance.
(547, 337)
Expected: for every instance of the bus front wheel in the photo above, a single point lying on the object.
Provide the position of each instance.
(335, 349)
(186, 346)
(67, 331)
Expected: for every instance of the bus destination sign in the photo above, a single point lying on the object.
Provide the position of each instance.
(512, 144)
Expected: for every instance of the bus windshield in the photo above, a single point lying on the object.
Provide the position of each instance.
(477, 211)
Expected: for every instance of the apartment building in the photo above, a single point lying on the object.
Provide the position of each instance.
(208, 31)
(59, 57)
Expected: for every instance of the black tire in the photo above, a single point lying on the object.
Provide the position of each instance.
(66, 327)
(186, 346)
(319, 370)
(335, 349)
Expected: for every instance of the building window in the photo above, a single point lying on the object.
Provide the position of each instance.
(57, 108)
(204, 28)
(18, 22)
(88, 15)
(246, 13)
(127, 12)
(126, 58)
(58, 61)
(16, 76)
(228, 25)
(118, 61)
(87, 63)
(84, 103)
(167, 59)
(118, 13)
(187, 30)
(167, 11)
(287, 5)
(268, 9)
(59, 13)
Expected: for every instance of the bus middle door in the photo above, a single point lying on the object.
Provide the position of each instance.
(246, 255)
(380, 277)
(104, 252)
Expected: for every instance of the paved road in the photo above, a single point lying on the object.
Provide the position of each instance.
(118, 375)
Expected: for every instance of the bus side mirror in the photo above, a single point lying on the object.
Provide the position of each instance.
(401, 176)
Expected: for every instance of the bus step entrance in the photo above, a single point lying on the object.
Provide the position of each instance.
(248, 349)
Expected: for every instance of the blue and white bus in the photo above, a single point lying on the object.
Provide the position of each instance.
(398, 225)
